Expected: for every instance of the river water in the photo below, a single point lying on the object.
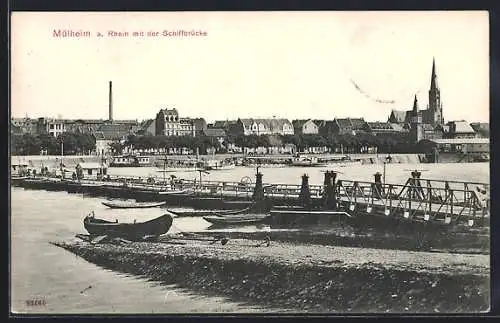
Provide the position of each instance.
(68, 284)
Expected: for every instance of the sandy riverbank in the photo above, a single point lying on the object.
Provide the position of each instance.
(312, 278)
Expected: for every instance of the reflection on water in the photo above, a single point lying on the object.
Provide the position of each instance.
(69, 284)
(43, 271)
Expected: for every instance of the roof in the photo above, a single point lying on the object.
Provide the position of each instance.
(480, 126)
(380, 125)
(461, 127)
(98, 135)
(385, 126)
(222, 123)
(462, 141)
(397, 127)
(354, 123)
(271, 124)
(146, 123)
(169, 111)
(22, 120)
(324, 123)
(214, 132)
(483, 128)
(357, 123)
(85, 121)
(399, 116)
(133, 122)
(114, 131)
(299, 123)
(427, 127)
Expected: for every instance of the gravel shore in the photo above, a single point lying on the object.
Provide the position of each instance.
(306, 278)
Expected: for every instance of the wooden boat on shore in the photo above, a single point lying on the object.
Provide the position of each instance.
(131, 205)
(232, 219)
(130, 231)
(209, 212)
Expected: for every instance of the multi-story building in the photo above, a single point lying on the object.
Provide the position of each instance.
(51, 126)
(168, 123)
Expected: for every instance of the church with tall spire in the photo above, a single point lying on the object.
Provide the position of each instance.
(435, 108)
(423, 124)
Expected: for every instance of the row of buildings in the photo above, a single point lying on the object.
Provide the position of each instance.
(414, 123)
(168, 123)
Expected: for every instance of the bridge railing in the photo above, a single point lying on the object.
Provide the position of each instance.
(413, 198)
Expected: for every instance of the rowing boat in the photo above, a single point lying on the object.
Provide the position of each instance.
(130, 231)
(208, 212)
(244, 219)
(131, 205)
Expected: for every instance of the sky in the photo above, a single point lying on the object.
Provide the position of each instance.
(295, 65)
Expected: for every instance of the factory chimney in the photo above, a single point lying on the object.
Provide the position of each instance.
(110, 117)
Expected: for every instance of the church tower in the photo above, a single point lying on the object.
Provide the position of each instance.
(416, 131)
(435, 104)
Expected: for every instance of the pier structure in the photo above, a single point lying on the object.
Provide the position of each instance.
(417, 200)
(421, 200)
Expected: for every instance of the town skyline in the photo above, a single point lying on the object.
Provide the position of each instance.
(335, 65)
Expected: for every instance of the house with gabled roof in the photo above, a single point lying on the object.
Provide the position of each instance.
(348, 125)
(264, 126)
(482, 129)
(106, 134)
(305, 127)
(147, 127)
(460, 129)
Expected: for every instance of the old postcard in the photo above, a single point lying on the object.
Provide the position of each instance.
(250, 162)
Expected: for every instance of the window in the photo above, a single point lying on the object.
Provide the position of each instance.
(90, 171)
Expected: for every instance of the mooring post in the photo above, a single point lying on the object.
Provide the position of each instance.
(378, 185)
(258, 191)
(305, 194)
(326, 184)
(333, 194)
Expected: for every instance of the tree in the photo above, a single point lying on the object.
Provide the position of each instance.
(46, 142)
(116, 147)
